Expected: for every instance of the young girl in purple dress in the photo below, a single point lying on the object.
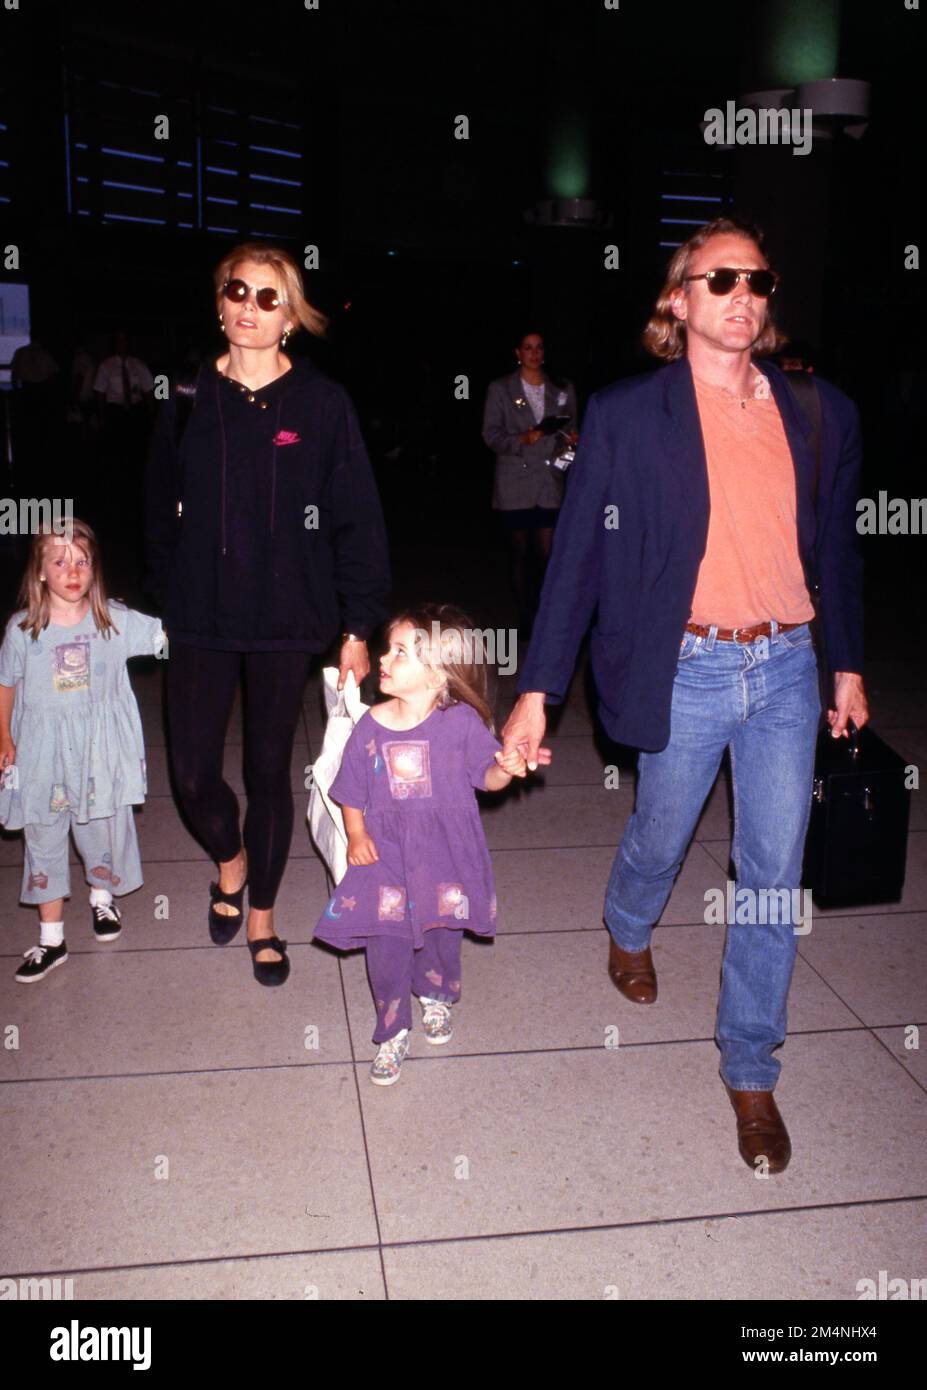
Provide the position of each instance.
(418, 865)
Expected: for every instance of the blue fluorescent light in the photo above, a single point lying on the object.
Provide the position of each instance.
(131, 154)
(269, 178)
(267, 149)
(124, 217)
(134, 187)
(271, 120)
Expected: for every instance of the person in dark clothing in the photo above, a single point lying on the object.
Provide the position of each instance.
(264, 537)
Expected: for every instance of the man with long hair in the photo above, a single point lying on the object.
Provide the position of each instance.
(702, 522)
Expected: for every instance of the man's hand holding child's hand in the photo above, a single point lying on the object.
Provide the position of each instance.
(514, 763)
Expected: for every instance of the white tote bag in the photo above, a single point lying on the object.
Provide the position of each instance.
(326, 823)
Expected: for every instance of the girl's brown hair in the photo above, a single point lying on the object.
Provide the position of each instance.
(456, 656)
(665, 335)
(289, 282)
(33, 594)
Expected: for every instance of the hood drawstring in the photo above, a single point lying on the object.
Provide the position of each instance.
(273, 485)
(222, 432)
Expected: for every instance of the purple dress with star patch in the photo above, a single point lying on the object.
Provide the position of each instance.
(416, 789)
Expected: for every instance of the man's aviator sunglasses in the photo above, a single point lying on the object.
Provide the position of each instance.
(761, 282)
(266, 297)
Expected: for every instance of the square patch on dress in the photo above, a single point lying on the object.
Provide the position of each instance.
(408, 768)
(71, 665)
(391, 904)
(453, 901)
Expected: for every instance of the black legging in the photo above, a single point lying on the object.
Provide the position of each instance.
(529, 552)
(201, 686)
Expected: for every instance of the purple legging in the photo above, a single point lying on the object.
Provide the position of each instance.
(396, 972)
(201, 686)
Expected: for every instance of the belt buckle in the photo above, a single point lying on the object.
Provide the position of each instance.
(735, 631)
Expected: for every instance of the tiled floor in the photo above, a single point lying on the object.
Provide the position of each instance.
(172, 1130)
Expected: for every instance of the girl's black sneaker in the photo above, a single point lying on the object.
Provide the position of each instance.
(107, 921)
(39, 960)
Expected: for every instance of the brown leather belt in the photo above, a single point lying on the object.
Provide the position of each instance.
(740, 634)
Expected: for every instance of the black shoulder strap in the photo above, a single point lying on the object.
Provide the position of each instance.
(804, 388)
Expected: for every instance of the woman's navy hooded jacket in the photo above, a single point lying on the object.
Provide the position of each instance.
(264, 528)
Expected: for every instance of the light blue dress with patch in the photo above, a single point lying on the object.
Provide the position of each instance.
(75, 722)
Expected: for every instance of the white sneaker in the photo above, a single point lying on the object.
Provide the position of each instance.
(389, 1059)
(436, 1020)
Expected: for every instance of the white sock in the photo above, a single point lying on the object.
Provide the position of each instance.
(100, 897)
(51, 933)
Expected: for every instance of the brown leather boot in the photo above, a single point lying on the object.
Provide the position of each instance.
(760, 1129)
(632, 973)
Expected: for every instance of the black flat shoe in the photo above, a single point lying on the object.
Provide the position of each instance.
(269, 972)
(223, 927)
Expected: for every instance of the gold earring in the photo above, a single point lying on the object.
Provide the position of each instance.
(286, 334)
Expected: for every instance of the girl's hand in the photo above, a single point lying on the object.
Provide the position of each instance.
(514, 763)
(361, 849)
(7, 752)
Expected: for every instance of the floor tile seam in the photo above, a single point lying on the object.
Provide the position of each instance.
(426, 1057)
(424, 1242)
(518, 932)
(872, 1028)
(907, 1070)
(363, 1126)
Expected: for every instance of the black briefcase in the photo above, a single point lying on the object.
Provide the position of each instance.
(858, 833)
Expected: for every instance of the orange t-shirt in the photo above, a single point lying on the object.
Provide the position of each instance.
(751, 570)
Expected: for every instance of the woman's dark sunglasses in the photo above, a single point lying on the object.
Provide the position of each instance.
(237, 291)
(761, 282)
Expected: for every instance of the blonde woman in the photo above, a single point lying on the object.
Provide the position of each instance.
(265, 541)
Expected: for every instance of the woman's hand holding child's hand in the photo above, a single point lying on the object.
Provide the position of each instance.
(361, 849)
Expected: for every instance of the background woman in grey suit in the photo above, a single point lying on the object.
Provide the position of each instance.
(527, 490)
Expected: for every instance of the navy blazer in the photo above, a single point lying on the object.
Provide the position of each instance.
(642, 451)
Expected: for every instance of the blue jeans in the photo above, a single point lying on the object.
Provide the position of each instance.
(759, 699)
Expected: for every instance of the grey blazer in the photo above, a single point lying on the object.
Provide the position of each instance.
(524, 477)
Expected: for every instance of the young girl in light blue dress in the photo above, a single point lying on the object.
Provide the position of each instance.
(71, 748)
